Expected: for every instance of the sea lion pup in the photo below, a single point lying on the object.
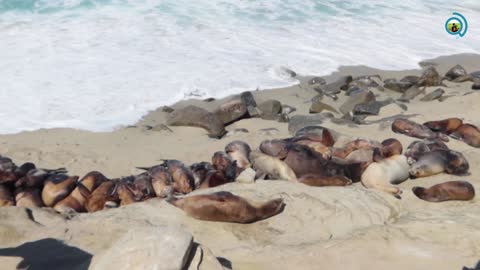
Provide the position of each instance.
(412, 129)
(200, 171)
(469, 134)
(36, 177)
(448, 191)
(6, 196)
(97, 200)
(438, 161)
(384, 172)
(225, 207)
(354, 145)
(224, 164)
(275, 148)
(57, 187)
(445, 126)
(239, 151)
(322, 181)
(419, 148)
(76, 201)
(28, 197)
(273, 167)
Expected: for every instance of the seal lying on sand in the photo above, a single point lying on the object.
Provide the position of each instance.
(57, 187)
(438, 161)
(28, 197)
(225, 207)
(412, 129)
(97, 199)
(271, 166)
(467, 133)
(448, 191)
(239, 151)
(419, 148)
(323, 181)
(445, 126)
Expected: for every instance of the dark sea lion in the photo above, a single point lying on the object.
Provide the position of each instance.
(225, 207)
(57, 187)
(7, 170)
(183, 180)
(318, 147)
(6, 196)
(224, 164)
(467, 133)
(438, 161)
(445, 126)
(143, 185)
(200, 171)
(28, 197)
(215, 178)
(97, 200)
(125, 193)
(239, 151)
(36, 177)
(412, 129)
(162, 181)
(24, 169)
(322, 181)
(448, 191)
(317, 130)
(273, 167)
(76, 200)
(275, 148)
(357, 144)
(418, 148)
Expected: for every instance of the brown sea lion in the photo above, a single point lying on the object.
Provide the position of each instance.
(199, 171)
(183, 180)
(274, 167)
(418, 148)
(24, 169)
(28, 197)
(215, 178)
(97, 200)
(125, 193)
(275, 148)
(225, 207)
(448, 191)
(438, 161)
(412, 129)
(382, 174)
(322, 181)
(467, 133)
(357, 144)
(225, 165)
(76, 200)
(445, 126)
(143, 185)
(161, 181)
(391, 147)
(239, 151)
(314, 143)
(36, 177)
(57, 187)
(6, 196)
(7, 170)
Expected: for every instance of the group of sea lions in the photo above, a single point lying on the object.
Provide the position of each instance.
(314, 157)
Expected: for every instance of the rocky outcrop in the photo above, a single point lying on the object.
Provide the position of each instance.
(194, 116)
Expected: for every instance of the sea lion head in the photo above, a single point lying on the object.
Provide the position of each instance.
(183, 179)
(391, 147)
(200, 171)
(223, 163)
(239, 151)
(275, 148)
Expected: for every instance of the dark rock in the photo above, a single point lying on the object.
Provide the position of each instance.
(298, 122)
(194, 116)
(209, 99)
(425, 64)
(316, 130)
(433, 95)
(270, 109)
(455, 72)
(397, 86)
(336, 87)
(352, 101)
(411, 79)
(167, 109)
(249, 101)
(332, 96)
(430, 77)
(475, 75)
(476, 86)
(268, 131)
(231, 111)
(161, 127)
(289, 72)
(317, 81)
(370, 108)
(354, 89)
(366, 81)
(467, 78)
(411, 93)
(318, 107)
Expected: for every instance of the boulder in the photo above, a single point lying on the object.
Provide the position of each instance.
(231, 111)
(430, 77)
(370, 108)
(318, 107)
(455, 72)
(194, 116)
(359, 98)
(249, 101)
(411, 93)
(397, 86)
(270, 109)
(298, 122)
(433, 95)
(337, 86)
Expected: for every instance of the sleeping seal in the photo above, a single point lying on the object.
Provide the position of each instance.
(438, 161)
(448, 191)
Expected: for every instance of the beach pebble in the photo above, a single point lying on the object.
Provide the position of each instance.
(268, 131)
(318, 107)
(433, 95)
(246, 177)
(231, 111)
(430, 77)
(249, 101)
(194, 116)
(359, 98)
(455, 72)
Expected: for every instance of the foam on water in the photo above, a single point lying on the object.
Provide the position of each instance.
(97, 64)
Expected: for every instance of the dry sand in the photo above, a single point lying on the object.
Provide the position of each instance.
(329, 228)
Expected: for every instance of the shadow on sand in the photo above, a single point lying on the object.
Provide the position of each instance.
(49, 254)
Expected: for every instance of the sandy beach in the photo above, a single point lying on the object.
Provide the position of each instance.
(321, 227)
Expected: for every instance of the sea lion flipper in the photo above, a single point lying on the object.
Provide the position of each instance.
(84, 190)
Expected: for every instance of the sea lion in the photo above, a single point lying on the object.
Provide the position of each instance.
(76, 200)
(142, 183)
(29, 198)
(199, 171)
(225, 207)
(239, 151)
(448, 191)
(215, 178)
(418, 148)
(275, 148)
(391, 147)
(57, 187)
(316, 143)
(225, 165)
(322, 181)
(6, 196)
(161, 181)
(97, 200)
(36, 177)
(438, 161)
(7, 170)
(467, 133)
(412, 129)
(125, 193)
(274, 167)
(183, 180)
(357, 144)
(24, 169)
(382, 174)
(445, 126)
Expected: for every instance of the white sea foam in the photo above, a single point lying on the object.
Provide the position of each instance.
(99, 64)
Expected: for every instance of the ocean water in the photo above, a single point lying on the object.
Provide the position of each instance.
(98, 64)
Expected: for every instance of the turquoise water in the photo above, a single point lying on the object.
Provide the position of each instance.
(98, 64)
